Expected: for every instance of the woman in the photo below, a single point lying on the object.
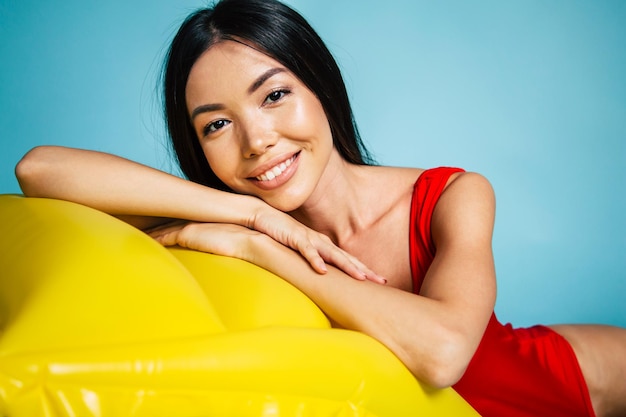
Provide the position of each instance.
(261, 125)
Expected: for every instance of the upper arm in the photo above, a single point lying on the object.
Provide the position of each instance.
(462, 275)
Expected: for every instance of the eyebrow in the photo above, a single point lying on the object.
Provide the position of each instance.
(264, 77)
(205, 108)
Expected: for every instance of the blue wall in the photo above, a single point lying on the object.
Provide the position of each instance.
(532, 94)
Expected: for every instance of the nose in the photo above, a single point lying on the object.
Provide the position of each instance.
(256, 140)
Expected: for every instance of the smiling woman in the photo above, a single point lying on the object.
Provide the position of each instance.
(242, 102)
(282, 34)
(261, 123)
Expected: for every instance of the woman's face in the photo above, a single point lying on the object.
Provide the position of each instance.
(262, 131)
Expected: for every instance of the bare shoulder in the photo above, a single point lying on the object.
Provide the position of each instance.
(408, 176)
(467, 187)
(466, 208)
(404, 173)
(393, 182)
(472, 180)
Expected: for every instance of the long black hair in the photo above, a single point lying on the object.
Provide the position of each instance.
(281, 33)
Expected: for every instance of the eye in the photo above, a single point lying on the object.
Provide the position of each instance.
(214, 126)
(275, 96)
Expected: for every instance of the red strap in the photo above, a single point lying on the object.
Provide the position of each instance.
(427, 190)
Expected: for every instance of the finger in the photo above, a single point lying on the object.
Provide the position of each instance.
(166, 238)
(329, 252)
(374, 277)
(314, 258)
(352, 266)
(167, 235)
(164, 227)
(369, 274)
(342, 260)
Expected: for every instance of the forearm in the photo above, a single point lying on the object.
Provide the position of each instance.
(420, 331)
(121, 187)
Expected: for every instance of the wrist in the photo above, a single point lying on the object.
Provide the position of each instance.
(234, 208)
(258, 214)
(260, 250)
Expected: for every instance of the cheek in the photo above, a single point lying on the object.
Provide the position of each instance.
(310, 119)
(219, 160)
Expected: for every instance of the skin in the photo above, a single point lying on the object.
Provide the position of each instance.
(251, 115)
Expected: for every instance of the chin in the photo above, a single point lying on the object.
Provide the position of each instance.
(285, 207)
(284, 203)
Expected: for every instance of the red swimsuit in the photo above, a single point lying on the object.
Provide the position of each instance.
(523, 372)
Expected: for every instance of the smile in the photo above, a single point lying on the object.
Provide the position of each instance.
(276, 171)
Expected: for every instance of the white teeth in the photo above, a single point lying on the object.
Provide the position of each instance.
(270, 174)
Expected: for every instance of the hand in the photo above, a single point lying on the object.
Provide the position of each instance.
(315, 247)
(217, 238)
(243, 243)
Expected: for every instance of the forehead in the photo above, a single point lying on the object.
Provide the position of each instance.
(226, 65)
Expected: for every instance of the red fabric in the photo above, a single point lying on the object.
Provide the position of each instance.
(515, 372)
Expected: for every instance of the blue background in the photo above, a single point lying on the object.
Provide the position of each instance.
(531, 94)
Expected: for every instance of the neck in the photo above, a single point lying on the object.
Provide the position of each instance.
(335, 207)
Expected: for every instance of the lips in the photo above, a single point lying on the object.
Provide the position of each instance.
(274, 172)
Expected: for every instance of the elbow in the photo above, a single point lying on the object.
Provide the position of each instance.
(444, 364)
(30, 171)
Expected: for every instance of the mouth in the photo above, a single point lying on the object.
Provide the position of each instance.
(277, 170)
